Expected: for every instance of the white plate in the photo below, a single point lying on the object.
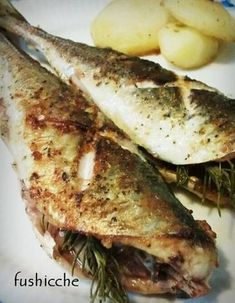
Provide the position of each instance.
(19, 249)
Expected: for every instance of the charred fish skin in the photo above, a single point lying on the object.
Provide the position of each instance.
(68, 169)
(174, 118)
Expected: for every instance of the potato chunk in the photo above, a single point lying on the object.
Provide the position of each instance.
(186, 47)
(130, 26)
(208, 17)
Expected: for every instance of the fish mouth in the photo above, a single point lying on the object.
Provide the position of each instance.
(142, 272)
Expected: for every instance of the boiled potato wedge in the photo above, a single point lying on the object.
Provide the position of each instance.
(186, 47)
(208, 17)
(130, 26)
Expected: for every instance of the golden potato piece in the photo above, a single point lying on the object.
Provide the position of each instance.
(186, 47)
(208, 17)
(130, 26)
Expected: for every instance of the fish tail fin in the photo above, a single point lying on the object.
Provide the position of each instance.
(7, 9)
(13, 24)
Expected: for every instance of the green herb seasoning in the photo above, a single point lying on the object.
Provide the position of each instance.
(98, 262)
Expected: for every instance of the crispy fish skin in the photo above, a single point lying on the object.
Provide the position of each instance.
(174, 118)
(53, 133)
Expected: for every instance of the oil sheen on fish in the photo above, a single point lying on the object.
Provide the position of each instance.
(77, 177)
(174, 118)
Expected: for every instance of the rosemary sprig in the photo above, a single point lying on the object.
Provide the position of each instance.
(215, 175)
(70, 240)
(98, 262)
(220, 176)
(232, 182)
(182, 175)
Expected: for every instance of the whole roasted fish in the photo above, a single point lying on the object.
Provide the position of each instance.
(179, 117)
(91, 198)
(174, 118)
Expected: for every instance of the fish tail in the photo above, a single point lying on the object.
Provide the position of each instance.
(11, 21)
(16, 27)
(7, 9)
(20, 32)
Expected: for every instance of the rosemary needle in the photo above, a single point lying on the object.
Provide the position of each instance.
(182, 175)
(220, 176)
(97, 261)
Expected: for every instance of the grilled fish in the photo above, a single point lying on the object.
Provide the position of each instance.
(68, 57)
(79, 180)
(174, 118)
